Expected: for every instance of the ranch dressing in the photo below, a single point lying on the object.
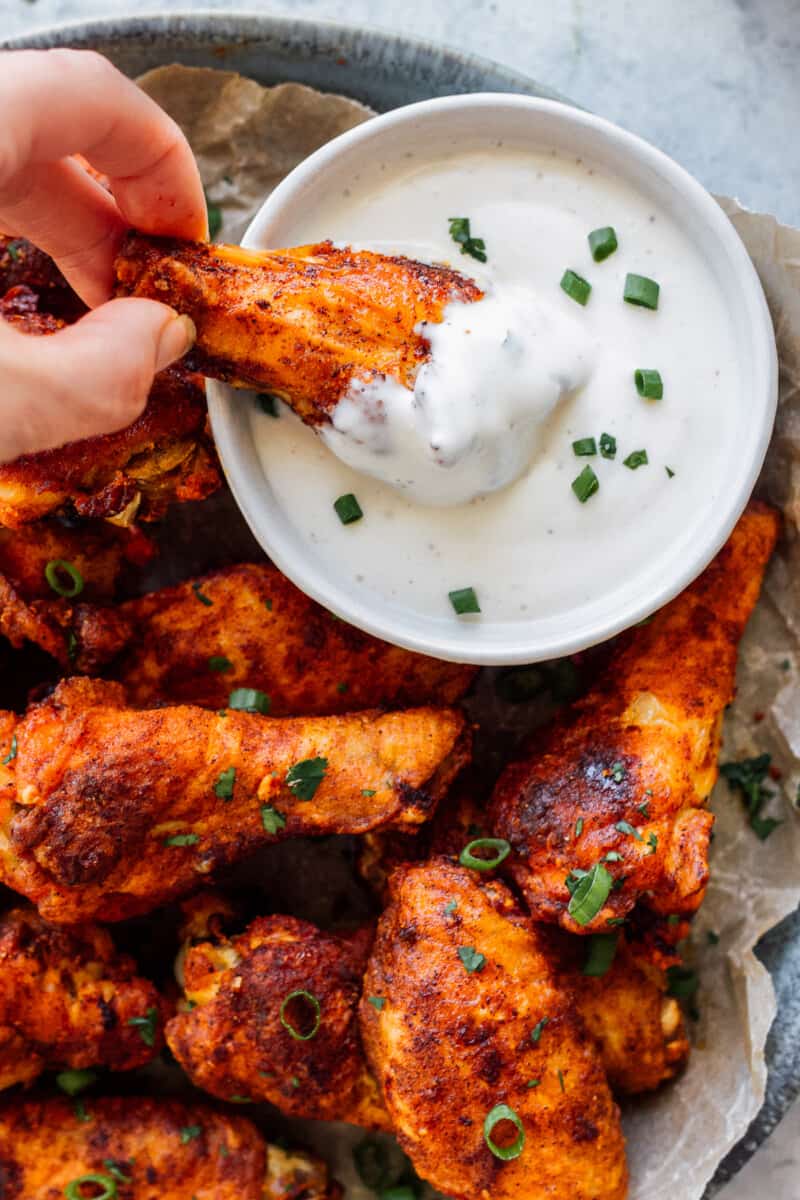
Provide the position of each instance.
(524, 541)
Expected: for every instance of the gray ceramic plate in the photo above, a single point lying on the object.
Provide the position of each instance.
(384, 70)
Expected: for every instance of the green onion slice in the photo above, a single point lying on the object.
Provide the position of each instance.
(249, 700)
(468, 857)
(461, 234)
(538, 1029)
(648, 384)
(266, 403)
(641, 291)
(603, 242)
(190, 1132)
(201, 596)
(218, 662)
(348, 509)
(637, 458)
(608, 445)
(586, 484)
(12, 752)
(472, 959)
(147, 1026)
(272, 820)
(682, 982)
(223, 788)
(600, 955)
(377, 1002)
(464, 601)
(181, 839)
(74, 1190)
(54, 573)
(590, 894)
(309, 999)
(576, 287)
(75, 1081)
(501, 1112)
(304, 777)
(584, 447)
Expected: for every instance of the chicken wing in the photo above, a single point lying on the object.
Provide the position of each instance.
(272, 1014)
(134, 1147)
(248, 626)
(473, 1043)
(301, 323)
(100, 553)
(613, 793)
(116, 810)
(68, 999)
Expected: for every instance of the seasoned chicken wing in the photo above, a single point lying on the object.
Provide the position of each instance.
(606, 807)
(474, 1043)
(136, 1148)
(272, 1014)
(68, 999)
(301, 323)
(115, 810)
(100, 553)
(248, 626)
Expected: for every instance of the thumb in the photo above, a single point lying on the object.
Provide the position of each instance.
(88, 379)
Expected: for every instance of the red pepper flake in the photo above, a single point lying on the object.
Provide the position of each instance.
(775, 773)
(758, 717)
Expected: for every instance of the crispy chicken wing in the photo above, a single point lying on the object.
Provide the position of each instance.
(101, 553)
(68, 999)
(301, 323)
(117, 809)
(142, 1149)
(248, 626)
(274, 1016)
(622, 779)
(472, 1017)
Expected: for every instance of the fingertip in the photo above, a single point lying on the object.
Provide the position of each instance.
(177, 336)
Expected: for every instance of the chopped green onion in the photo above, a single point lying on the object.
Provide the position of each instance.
(644, 808)
(75, 1081)
(560, 1074)
(268, 605)
(190, 1132)
(249, 700)
(219, 662)
(182, 839)
(601, 951)
(80, 1111)
(201, 595)
(342, 688)
(468, 858)
(538, 1029)
(74, 1190)
(12, 752)
(223, 788)
(612, 856)
(670, 472)
(377, 1002)
(652, 842)
(637, 458)
(579, 827)
(471, 958)
(748, 777)
(631, 830)
(53, 573)
(584, 447)
(713, 938)
(576, 287)
(237, 1099)
(368, 792)
(13, 251)
(590, 895)
(348, 509)
(267, 404)
(586, 484)
(272, 820)
(464, 601)
(309, 999)
(460, 233)
(608, 445)
(147, 1026)
(641, 291)
(602, 243)
(648, 384)
(682, 982)
(304, 777)
(115, 1168)
(615, 920)
(501, 1112)
(450, 907)
(618, 772)
(533, 1083)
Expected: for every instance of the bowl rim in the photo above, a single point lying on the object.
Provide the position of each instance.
(456, 642)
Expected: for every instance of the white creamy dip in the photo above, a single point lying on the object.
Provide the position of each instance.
(486, 462)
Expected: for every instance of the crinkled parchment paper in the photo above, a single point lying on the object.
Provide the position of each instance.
(246, 139)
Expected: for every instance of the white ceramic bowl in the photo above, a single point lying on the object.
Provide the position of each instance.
(471, 122)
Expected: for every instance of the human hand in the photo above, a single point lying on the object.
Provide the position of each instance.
(92, 377)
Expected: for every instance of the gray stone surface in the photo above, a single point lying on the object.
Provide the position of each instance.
(715, 83)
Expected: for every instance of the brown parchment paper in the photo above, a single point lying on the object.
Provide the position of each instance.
(246, 139)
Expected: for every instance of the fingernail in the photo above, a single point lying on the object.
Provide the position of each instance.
(177, 337)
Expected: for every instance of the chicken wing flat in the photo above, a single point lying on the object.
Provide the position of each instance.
(99, 552)
(470, 1016)
(273, 1015)
(616, 789)
(115, 810)
(68, 999)
(248, 626)
(301, 323)
(135, 1147)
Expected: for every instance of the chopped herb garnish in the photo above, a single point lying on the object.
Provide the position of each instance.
(309, 1001)
(54, 573)
(267, 404)
(608, 445)
(147, 1026)
(673, 919)
(612, 856)
(618, 772)
(471, 958)
(538, 1029)
(533, 1083)
(237, 1099)
(561, 1079)
(644, 808)
(201, 596)
(214, 218)
(13, 251)
(682, 982)
(74, 1190)
(342, 688)
(615, 920)
(500, 1113)
(464, 601)
(602, 242)
(75, 1081)
(304, 777)
(649, 384)
(584, 447)
(785, 664)
(348, 509)
(641, 291)
(377, 1002)
(117, 1168)
(670, 472)
(268, 605)
(80, 1110)
(272, 820)
(368, 792)
(450, 907)
(12, 752)
(468, 857)
(72, 645)
(576, 287)
(652, 842)
(748, 777)
(220, 663)
(590, 895)
(586, 484)
(182, 839)
(579, 827)
(249, 700)
(713, 938)
(637, 458)
(630, 830)
(223, 788)
(600, 953)
(190, 1132)
(460, 233)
